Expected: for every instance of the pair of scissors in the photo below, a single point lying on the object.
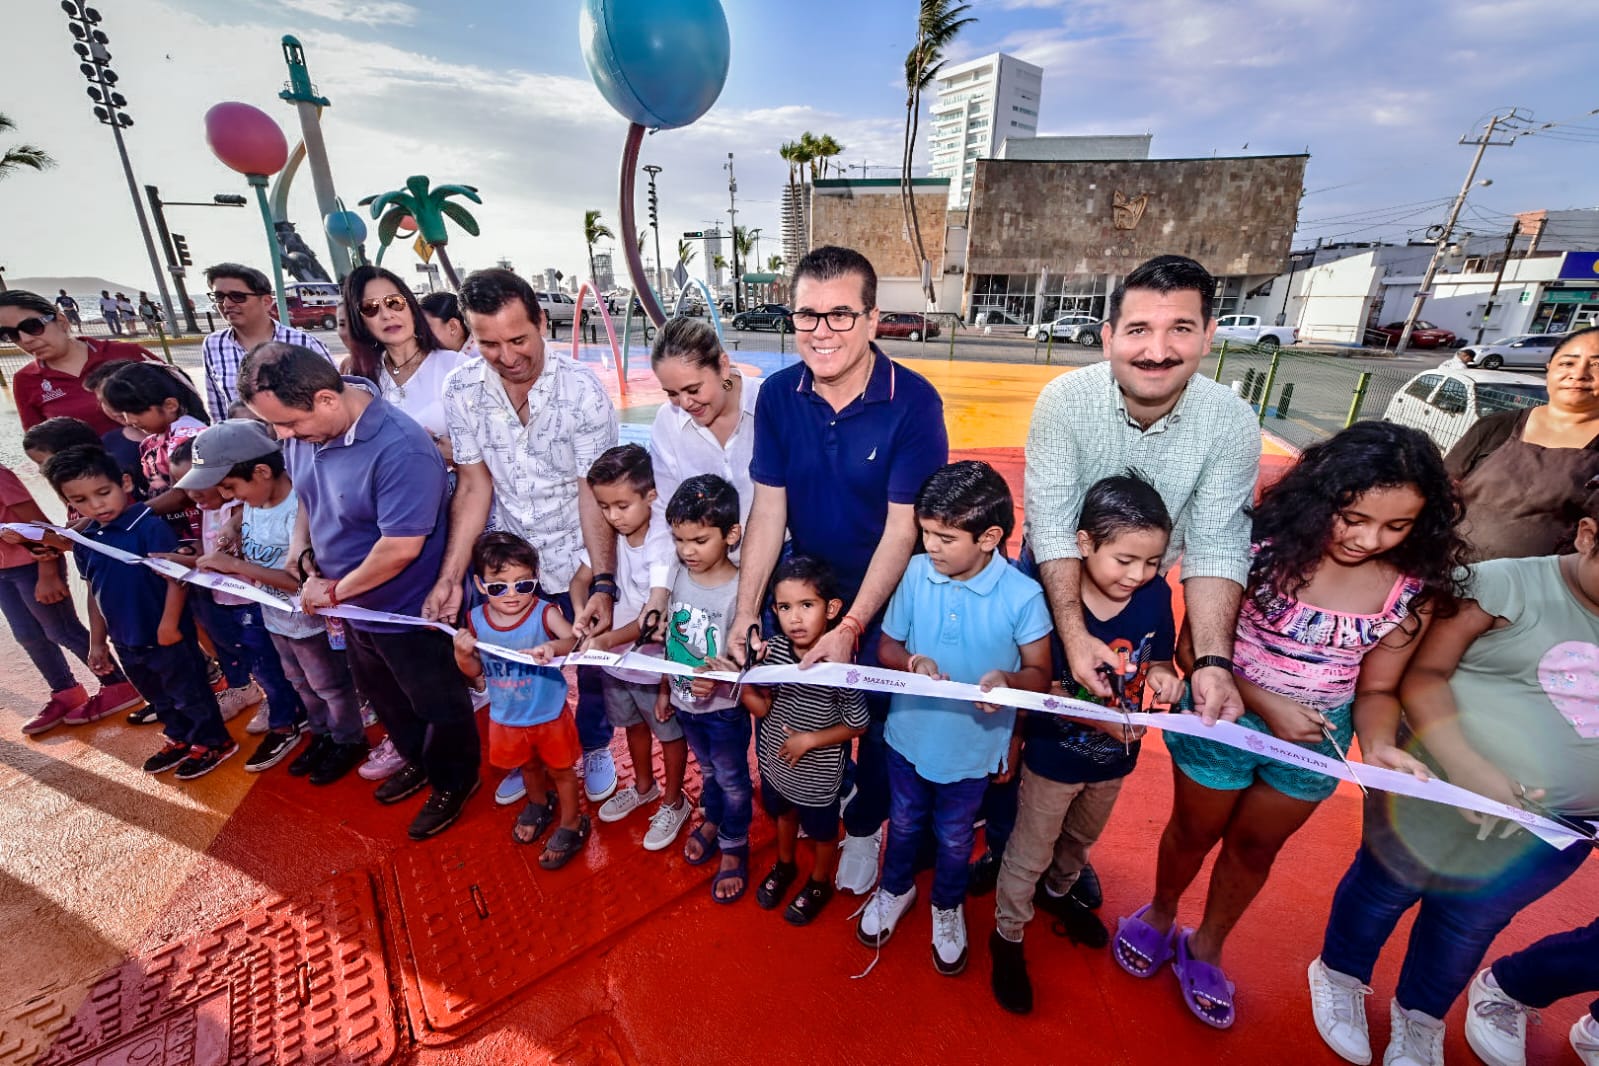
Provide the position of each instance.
(649, 630)
(1121, 701)
(1580, 828)
(1343, 757)
(751, 660)
(306, 564)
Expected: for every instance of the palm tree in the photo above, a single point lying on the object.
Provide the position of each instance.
(22, 155)
(827, 149)
(937, 25)
(686, 251)
(594, 230)
(774, 264)
(429, 208)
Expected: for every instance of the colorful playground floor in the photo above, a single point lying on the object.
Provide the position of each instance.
(255, 919)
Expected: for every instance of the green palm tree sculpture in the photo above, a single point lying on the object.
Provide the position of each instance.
(594, 230)
(22, 155)
(429, 208)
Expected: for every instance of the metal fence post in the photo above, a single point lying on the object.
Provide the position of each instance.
(1358, 398)
(1265, 395)
(1221, 360)
(161, 334)
(1049, 347)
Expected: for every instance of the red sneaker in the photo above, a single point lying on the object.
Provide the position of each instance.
(61, 708)
(119, 696)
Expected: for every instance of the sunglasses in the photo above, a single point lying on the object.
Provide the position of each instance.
(235, 297)
(393, 301)
(497, 589)
(31, 326)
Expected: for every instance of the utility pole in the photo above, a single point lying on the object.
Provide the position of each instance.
(732, 214)
(1510, 244)
(655, 224)
(1482, 144)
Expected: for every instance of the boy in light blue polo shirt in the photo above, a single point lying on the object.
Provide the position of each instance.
(961, 612)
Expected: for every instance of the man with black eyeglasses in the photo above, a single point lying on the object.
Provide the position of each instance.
(243, 296)
(843, 443)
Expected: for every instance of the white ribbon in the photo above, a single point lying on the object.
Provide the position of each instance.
(876, 679)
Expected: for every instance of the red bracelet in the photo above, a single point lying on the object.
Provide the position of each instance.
(857, 630)
(333, 593)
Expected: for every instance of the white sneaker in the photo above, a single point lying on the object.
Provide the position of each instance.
(949, 940)
(383, 762)
(1338, 1003)
(510, 789)
(231, 701)
(880, 914)
(1585, 1040)
(1414, 1038)
(1496, 1025)
(858, 859)
(599, 775)
(627, 800)
(261, 721)
(667, 824)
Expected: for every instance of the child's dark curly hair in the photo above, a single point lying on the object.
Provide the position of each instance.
(1294, 520)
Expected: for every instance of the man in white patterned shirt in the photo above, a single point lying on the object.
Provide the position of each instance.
(1146, 408)
(243, 296)
(526, 423)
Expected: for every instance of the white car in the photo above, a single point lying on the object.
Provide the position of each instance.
(560, 308)
(1445, 403)
(1249, 329)
(1062, 326)
(1529, 350)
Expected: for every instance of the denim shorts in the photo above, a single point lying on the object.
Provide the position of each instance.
(1228, 769)
(819, 823)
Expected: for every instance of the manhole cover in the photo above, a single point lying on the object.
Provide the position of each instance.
(292, 981)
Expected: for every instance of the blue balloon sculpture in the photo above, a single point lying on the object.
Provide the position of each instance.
(659, 63)
(345, 228)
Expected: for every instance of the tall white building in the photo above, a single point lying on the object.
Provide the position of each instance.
(796, 227)
(979, 104)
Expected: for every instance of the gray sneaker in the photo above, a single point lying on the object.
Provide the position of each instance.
(1415, 1039)
(232, 701)
(667, 824)
(1338, 1004)
(627, 800)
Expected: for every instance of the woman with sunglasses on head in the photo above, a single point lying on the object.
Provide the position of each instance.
(52, 385)
(396, 348)
(443, 312)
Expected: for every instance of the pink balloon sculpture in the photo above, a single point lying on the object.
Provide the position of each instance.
(246, 139)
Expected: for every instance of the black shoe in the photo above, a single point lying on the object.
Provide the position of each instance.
(1085, 889)
(984, 875)
(1013, 989)
(273, 749)
(439, 812)
(1072, 919)
(309, 759)
(202, 761)
(339, 760)
(143, 716)
(405, 782)
(171, 754)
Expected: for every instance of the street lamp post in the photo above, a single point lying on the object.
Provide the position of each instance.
(109, 108)
(1293, 266)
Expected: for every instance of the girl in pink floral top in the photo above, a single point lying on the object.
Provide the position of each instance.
(159, 401)
(1356, 549)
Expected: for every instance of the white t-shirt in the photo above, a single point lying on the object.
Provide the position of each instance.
(265, 541)
(422, 395)
(681, 448)
(635, 576)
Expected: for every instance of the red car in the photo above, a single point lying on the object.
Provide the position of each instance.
(1425, 335)
(309, 316)
(907, 324)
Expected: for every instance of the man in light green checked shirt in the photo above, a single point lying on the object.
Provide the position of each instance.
(1146, 409)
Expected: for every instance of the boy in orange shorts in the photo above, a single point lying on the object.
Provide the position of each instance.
(529, 723)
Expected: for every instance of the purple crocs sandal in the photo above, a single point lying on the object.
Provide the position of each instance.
(1206, 989)
(1140, 948)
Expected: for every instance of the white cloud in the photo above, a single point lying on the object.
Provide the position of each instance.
(360, 12)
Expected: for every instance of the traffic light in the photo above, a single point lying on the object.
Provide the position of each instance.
(180, 245)
(691, 234)
(655, 202)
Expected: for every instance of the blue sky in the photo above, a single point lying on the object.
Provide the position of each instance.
(495, 94)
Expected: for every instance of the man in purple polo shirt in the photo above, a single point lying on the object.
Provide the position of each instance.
(374, 502)
(842, 444)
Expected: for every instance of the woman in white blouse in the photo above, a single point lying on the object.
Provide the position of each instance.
(394, 347)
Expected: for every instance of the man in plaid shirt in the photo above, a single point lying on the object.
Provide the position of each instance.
(243, 296)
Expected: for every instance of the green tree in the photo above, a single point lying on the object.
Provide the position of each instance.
(827, 149)
(938, 23)
(429, 208)
(22, 155)
(686, 251)
(594, 230)
(774, 264)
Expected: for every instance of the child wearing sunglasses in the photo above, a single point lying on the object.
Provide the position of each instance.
(529, 723)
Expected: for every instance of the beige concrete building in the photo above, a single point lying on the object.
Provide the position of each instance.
(868, 215)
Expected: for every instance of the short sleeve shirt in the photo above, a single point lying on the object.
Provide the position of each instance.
(968, 628)
(42, 392)
(696, 631)
(813, 781)
(841, 469)
(132, 598)
(384, 478)
(12, 493)
(422, 396)
(155, 455)
(265, 537)
(535, 467)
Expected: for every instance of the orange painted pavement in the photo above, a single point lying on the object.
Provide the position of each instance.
(99, 863)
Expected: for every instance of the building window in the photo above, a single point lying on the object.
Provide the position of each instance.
(1229, 294)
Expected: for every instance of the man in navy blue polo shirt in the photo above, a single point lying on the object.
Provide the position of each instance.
(842, 444)
(374, 500)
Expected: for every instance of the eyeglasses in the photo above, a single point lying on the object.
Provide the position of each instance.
(31, 326)
(235, 297)
(497, 589)
(393, 301)
(837, 321)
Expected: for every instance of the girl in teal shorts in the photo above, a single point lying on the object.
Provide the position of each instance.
(1356, 548)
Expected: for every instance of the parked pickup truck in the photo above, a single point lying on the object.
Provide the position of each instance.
(1249, 329)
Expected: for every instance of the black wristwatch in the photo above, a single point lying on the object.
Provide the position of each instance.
(1219, 661)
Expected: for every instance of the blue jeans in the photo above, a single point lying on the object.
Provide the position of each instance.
(720, 741)
(172, 680)
(244, 647)
(43, 629)
(594, 729)
(222, 626)
(916, 803)
(999, 811)
(1454, 926)
(1566, 964)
